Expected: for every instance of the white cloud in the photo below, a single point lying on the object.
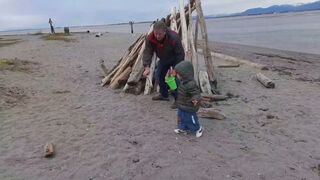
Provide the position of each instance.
(12, 21)
(35, 13)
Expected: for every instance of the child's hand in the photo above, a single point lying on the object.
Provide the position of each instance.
(172, 72)
(195, 102)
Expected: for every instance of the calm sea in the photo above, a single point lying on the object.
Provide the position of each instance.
(291, 31)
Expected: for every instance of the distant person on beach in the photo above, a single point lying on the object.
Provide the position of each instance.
(168, 47)
(51, 26)
(188, 100)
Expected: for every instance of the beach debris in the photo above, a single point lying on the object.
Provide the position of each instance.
(49, 150)
(98, 34)
(66, 30)
(127, 74)
(265, 81)
(211, 113)
(240, 61)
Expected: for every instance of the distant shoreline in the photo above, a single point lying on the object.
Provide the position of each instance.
(144, 22)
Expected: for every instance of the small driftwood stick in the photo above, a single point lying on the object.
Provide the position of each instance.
(228, 66)
(214, 97)
(48, 150)
(265, 81)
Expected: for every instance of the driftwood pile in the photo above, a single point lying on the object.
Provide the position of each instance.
(127, 74)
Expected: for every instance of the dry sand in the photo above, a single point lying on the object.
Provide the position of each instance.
(99, 133)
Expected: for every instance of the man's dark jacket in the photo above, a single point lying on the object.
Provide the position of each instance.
(169, 51)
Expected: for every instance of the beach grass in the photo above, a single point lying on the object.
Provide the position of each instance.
(8, 42)
(15, 65)
(58, 37)
(37, 33)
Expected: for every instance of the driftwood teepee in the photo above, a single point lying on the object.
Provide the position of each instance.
(127, 74)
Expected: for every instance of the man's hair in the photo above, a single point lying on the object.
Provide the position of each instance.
(160, 25)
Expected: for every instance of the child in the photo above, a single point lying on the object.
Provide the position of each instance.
(187, 100)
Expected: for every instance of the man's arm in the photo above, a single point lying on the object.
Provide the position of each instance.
(179, 51)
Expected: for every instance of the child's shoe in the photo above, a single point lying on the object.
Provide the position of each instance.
(199, 132)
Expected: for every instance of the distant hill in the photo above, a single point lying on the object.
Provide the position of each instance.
(275, 9)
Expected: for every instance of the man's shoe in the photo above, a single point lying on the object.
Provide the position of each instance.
(199, 132)
(180, 131)
(174, 105)
(160, 98)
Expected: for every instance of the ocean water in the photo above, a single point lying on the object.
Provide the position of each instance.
(292, 31)
(298, 32)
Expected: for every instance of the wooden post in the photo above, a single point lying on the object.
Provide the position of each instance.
(206, 50)
(131, 25)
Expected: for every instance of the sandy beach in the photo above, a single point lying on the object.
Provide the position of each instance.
(54, 95)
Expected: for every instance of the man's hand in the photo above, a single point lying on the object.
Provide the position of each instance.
(146, 71)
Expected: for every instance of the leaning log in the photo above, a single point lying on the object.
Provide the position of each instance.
(124, 75)
(206, 52)
(115, 69)
(130, 60)
(184, 30)
(149, 85)
(138, 68)
(204, 83)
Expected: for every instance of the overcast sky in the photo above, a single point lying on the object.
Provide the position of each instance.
(24, 14)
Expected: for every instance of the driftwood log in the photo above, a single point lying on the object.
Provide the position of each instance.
(124, 75)
(214, 97)
(211, 113)
(265, 81)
